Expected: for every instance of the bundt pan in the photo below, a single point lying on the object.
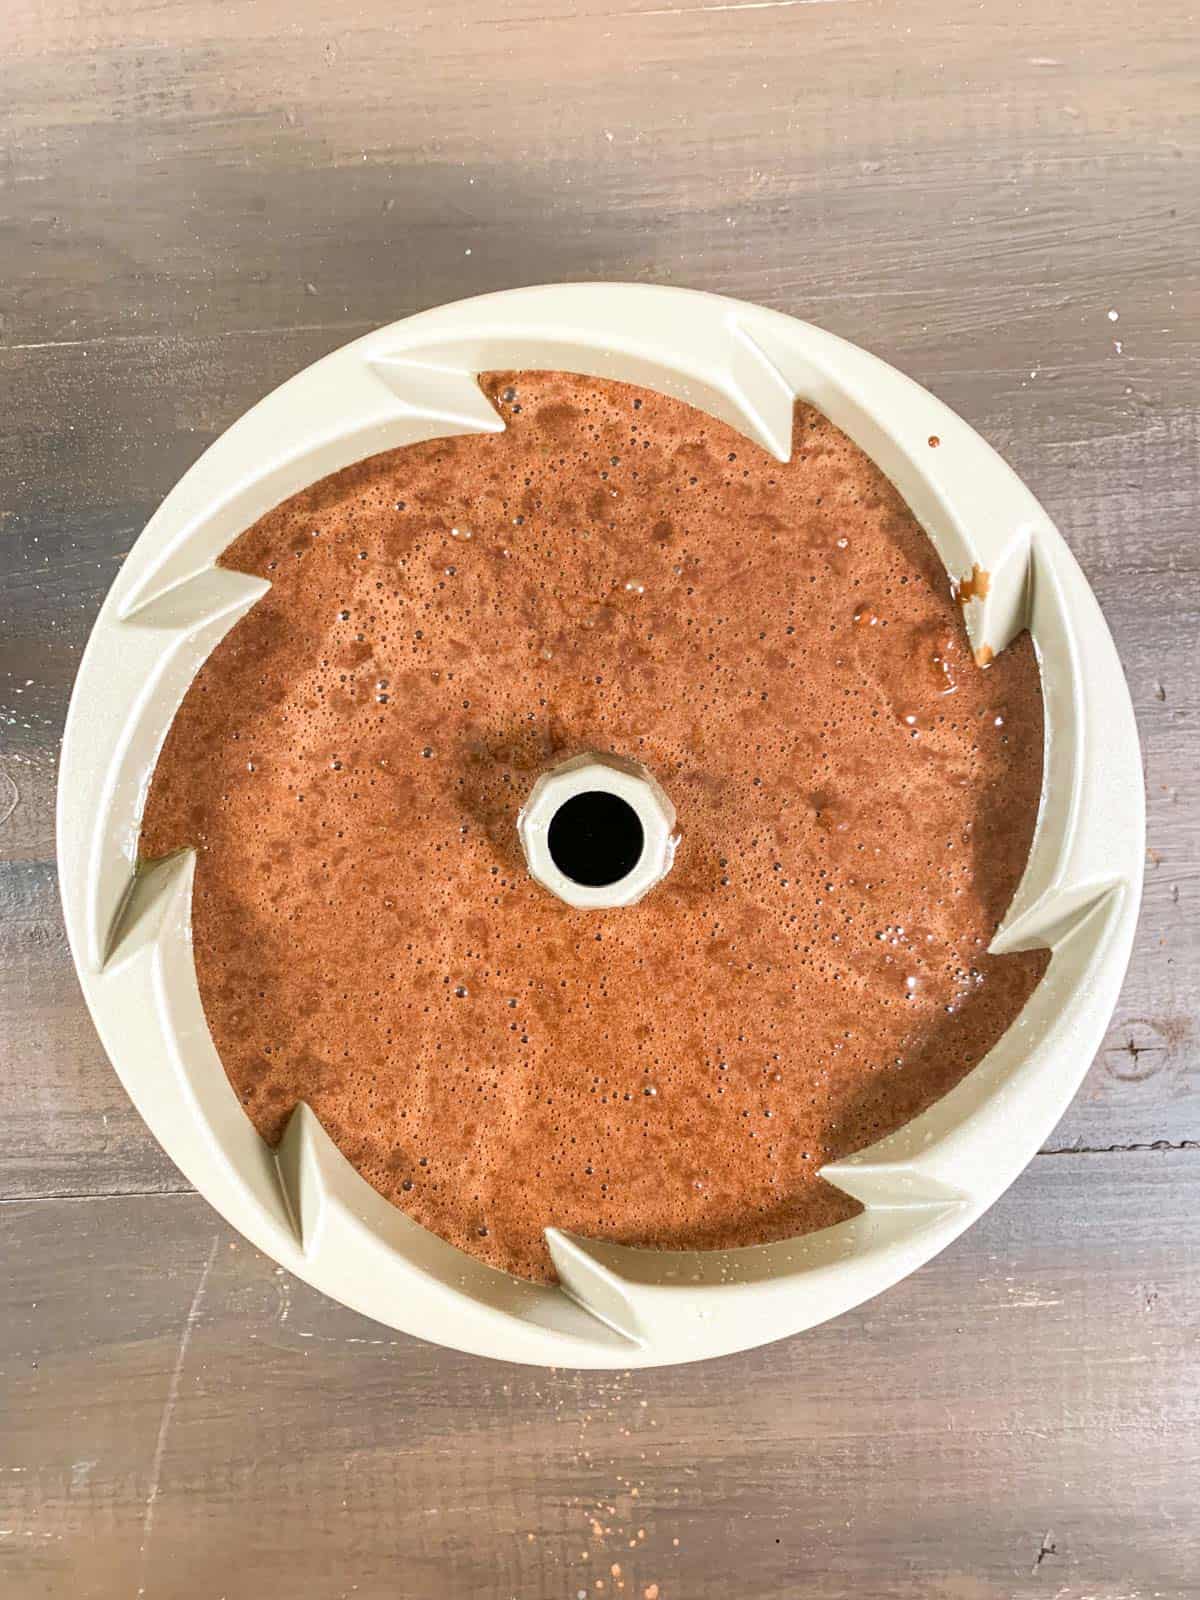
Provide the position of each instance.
(303, 1204)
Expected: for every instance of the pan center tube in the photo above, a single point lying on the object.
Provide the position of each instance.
(598, 831)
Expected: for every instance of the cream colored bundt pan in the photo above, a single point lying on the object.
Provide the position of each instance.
(303, 1204)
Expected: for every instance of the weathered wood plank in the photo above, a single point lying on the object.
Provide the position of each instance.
(295, 164)
(183, 1417)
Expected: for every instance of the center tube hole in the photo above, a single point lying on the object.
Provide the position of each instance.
(595, 838)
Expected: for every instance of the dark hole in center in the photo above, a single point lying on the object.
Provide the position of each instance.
(595, 838)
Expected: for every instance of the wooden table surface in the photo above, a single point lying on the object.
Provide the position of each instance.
(196, 199)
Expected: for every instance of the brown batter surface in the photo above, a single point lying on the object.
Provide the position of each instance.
(779, 645)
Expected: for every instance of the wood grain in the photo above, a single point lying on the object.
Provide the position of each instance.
(182, 1417)
(197, 199)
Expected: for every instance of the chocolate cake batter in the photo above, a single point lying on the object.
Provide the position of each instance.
(779, 644)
